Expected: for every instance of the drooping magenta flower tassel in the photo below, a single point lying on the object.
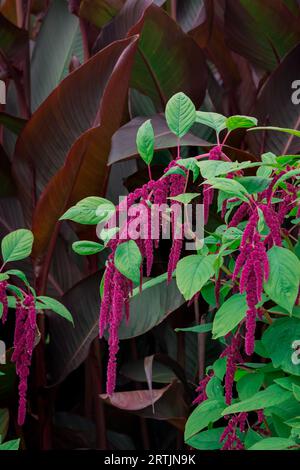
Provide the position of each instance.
(232, 352)
(24, 340)
(229, 436)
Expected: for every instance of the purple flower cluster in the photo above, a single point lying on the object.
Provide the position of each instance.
(229, 435)
(254, 266)
(24, 339)
(3, 300)
(208, 192)
(233, 355)
(201, 390)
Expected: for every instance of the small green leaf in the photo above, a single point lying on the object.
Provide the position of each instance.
(207, 412)
(214, 120)
(229, 186)
(294, 422)
(17, 245)
(86, 247)
(219, 367)
(10, 445)
(185, 198)
(237, 122)
(128, 260)
(206, 440)
(191, 165)
(279, 129)
(273, 443)
(55, 306)
(145, 141)
(271, 396)
(204, 328)
(90, 211)
(150, 283)
(19, 274)
(214, 389)
(3, 277)
(231, 312)
(180, 114)
(254, 184)
(296, 391)
(283, 283)
(193, 272)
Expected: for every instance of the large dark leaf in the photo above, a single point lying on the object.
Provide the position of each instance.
(167, 61)
(123, 142)
(148, 309)
(275, 108)
(263, 32)
(71, 110)
(52, 52)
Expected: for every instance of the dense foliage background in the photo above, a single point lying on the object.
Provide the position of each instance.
(81, 76)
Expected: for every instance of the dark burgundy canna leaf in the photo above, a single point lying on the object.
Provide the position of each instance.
(262, 32)
(124, 146)
(275, 107)
(13, 42)
(167, 60)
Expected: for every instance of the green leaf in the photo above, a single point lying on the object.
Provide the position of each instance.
(296, 391)
(254, 184)
(278, 340)
(231, 312)
(214, 389)
(206, 440)
(90, 211)
(249, 384)
(180, 114)
(86, 247)
(251, 438)
(294, 422)
(17, 245)
(237, 122)
(212, 168)
(214, 120)
(204, 328)
(145, 141)
(55, 306)
(271, 396)
(273, 443)
(207, 412)
(3, 277)
(128, 260)
(150, 283)
(283, 283)
(10, 445)
(279, 129)
(219, 367)
(193, 272)
(229, 186)
(185, 198)
(286, 176)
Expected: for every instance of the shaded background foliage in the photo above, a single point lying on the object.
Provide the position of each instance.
(81, 77)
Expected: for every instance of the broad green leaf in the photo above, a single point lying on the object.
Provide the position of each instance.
(237, 122)
(278, 340)
(273, 443)
(219, 367)
(204, 328)
(3, 277)
(249, 384)
(128, 260)
(283, 283)
(90, 211)
(145, 141)
(231, 312)
(214, 120)
(271, 396)
(175, 170)
(251, 438)
(288, 382)
(296, 391)
(254, 184)
(17, 245)
(86, 247)
(267, 158)
(185, 198)
(180, 114)
(212, 168)
(193, 272)
(55, 306)
(207, 412)
(10, 445)
(206, 440)
(229, 186)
